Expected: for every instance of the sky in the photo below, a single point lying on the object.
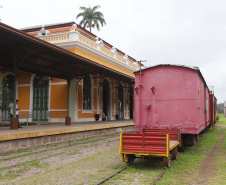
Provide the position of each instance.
(185, 32)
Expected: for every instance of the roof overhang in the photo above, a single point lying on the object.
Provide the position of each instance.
(194, 68)
(43, 58)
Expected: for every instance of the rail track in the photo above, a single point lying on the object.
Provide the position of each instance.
(153, 183)
(110, 176)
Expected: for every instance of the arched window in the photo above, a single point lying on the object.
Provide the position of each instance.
(86, 92)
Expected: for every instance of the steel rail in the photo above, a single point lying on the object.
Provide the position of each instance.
(153, 183)
(111, 176)
(164, 171)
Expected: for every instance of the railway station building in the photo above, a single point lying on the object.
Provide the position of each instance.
(66, 71)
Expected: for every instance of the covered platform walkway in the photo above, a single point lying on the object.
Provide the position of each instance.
(22, 52)
(37, 135)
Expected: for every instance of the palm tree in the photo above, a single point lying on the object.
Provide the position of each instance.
(91, 18)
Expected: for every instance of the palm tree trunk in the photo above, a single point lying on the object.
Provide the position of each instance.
(90, 25)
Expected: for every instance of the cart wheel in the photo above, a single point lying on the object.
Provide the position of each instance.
(174, 153)
(166, 161)
(131, 158)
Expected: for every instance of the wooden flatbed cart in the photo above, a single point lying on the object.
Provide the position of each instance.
(154, 142)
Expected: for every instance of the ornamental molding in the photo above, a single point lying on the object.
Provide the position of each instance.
(92, 51)
(73, 41)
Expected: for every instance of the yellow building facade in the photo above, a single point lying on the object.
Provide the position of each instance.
(43, 97)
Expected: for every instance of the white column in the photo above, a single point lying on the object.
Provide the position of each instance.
(73, 101)
(98, 98)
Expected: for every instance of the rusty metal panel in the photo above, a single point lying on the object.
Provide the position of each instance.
(173, 134)
(215, 110)
(132, 142)
(211, 107)
(144, 143)
(155, 144)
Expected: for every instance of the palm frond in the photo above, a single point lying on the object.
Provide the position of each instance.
(85, 24)
(96, 7)
(79, 15)
(91, 18)
(81, 22)
(83, 8)
(98, 14)
(96, 24)
(102, 21)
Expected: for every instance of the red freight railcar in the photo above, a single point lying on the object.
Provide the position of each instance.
(169, 97)
(172, 96)
(212, 108)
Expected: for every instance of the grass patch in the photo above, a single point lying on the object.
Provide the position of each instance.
(69, 143)
(186, 169)
(15, 170)
(141, 172)
(75, 152)
(220, 177)
(222, 119)
(88, 170)
(33, 163)
(23, 167)
(23, 155)
(15, 152)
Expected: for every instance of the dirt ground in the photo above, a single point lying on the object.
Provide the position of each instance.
(207, 166)
(89, 160)
(23, 166)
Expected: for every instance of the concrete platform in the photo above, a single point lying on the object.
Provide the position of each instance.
(41, 134)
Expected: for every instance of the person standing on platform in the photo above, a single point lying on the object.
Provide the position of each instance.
(17, 112)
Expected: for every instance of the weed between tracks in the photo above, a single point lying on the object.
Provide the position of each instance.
(220, 177)
(88, 170)
(141, 172)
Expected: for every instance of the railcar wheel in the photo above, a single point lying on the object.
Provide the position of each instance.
(174, 153)
(131, 158)
(182, 147)
(192, 140)
(166, 161)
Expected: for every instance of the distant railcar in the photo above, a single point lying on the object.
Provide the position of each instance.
(172, 97)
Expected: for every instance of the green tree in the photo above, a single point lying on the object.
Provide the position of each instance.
(91, 18)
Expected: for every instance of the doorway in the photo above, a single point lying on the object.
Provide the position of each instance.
(106, 99)
(120, 102)
(40, 98)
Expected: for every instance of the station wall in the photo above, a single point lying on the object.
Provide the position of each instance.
(57, 97)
